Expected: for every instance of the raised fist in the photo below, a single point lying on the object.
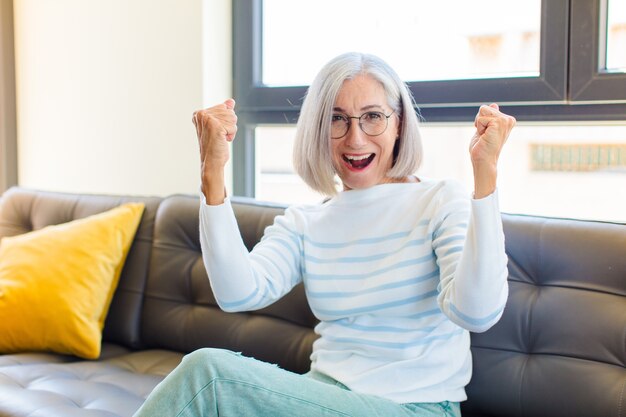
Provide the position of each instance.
(215, 127)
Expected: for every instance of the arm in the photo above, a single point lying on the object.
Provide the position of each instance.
(473, 264)
(492, 130)
(215, 128)
(474, 288)
(243, 280)
(240, 280)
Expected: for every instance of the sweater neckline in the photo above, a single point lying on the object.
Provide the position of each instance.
(375, 192)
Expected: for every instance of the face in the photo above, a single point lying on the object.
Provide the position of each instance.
(361, 160)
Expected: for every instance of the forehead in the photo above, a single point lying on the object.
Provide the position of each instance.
(359, 92)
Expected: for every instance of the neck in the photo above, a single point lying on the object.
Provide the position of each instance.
(391, 180)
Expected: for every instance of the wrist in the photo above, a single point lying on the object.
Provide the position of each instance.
(485, 181)
(213, 187)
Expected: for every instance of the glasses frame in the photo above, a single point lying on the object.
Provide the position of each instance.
(361, 124)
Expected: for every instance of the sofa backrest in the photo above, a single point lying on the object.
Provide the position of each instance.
(180, 312)
(23, 210)
(559, 349)
(560, 346)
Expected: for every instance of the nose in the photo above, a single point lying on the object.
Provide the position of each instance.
(355, 138)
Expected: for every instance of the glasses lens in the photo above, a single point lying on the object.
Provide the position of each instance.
(373, 123)
(339, 126)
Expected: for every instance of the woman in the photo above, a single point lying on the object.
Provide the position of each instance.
(398, 269)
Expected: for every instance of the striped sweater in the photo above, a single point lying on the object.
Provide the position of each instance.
(397, 274)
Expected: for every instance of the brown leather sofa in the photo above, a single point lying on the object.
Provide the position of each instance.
(559, 349)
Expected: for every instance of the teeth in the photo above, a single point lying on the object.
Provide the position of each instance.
(357, 157)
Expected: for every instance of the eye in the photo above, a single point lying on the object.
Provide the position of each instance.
(339, 118)
(373, 116)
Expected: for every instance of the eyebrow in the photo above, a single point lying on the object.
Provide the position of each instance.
(365, 108)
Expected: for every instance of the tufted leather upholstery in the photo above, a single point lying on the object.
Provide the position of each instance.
(560, 346)
(24, 210)
(559, 349)
(180, 312)
(108, 387)
(163, 304)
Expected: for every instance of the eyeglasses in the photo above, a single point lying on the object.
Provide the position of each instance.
(372, 123)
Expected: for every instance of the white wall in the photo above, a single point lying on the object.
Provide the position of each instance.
(106, 89)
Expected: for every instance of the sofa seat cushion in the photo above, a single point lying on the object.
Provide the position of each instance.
(112, 387)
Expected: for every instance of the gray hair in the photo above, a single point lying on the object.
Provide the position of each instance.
(312, 156)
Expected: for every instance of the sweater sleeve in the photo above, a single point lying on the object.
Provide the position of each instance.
(473, 287)
(242, 280)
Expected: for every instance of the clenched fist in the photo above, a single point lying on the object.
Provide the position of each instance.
(492, 130)
(215, 128)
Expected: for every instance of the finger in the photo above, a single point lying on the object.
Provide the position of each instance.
(494, 106)
(483, 111)
(231, 132)
(194, 119)
(488, 110)
(197, 125)
(225, 115)
(482, 123)
(230, 104)
(511, 120)
(483, 117)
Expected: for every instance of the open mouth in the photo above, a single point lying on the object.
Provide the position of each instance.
(359, 161)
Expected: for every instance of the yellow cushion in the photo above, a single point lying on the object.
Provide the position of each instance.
(56, 283)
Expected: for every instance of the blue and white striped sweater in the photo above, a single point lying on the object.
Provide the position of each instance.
(390, 274)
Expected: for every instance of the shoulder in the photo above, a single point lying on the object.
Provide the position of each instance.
(304, 210)
(439, 189)
(453, 189)
(296, 216)
(446, 197)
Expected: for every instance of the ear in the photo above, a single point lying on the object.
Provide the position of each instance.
(398, 127)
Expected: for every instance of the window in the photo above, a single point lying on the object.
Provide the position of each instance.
(565, 84)
(616, 37)
(447, 99)
(594, 73)
(550, 169)
(497, 48)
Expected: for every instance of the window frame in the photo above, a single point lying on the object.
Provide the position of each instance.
(8, 115)
(567, 89)
(588, 81)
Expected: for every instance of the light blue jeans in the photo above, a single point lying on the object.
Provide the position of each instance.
(216, 382)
